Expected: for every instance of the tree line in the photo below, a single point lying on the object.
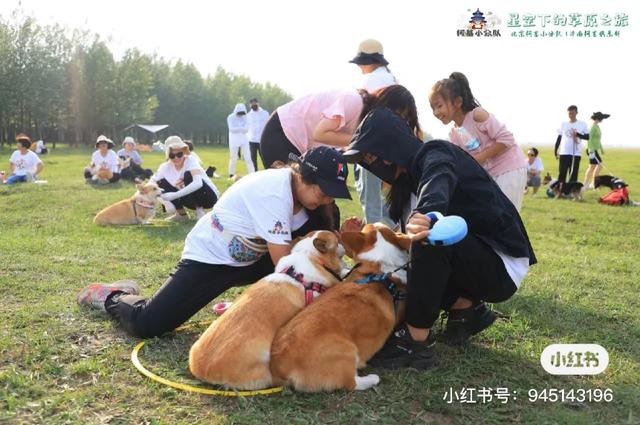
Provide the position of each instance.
(64, 85)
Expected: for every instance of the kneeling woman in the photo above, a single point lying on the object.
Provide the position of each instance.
(488, 265)
(184, 182)
(228, 247)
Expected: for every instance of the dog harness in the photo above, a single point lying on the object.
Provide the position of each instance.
(309, 287)
(385, 279)
(143, 205)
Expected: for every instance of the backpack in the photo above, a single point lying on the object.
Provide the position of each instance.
(616, 197)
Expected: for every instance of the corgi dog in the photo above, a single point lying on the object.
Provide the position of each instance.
(235, 350)
(100, 175)
(322, 347)
(139, 209)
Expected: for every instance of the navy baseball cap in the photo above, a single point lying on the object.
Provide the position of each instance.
(327, 168)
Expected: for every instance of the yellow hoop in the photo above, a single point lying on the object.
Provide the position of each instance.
(190, 388)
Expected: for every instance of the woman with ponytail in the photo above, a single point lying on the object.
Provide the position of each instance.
(480, 134)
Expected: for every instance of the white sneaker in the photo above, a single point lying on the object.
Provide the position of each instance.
(200, 212)
(168, 206)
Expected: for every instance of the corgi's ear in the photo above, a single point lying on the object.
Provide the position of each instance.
(404, 241)
(353, 242)
(321, 245)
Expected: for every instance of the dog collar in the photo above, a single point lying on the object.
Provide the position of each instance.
(385, 279)
(309, 287)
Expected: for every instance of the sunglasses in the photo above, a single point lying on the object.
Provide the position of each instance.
(176, 155)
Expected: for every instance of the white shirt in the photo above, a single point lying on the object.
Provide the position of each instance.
(536, 166)
(253, 211)
(517, 268)
(257, 120)
(39, 146)
(378, 79)
(110, 161)
(567, 145)
(167, 171)
(238, 129)
(26, 163)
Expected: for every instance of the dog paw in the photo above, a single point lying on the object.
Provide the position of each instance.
(366, 382)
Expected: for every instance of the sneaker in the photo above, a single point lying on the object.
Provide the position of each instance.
(178, 218)
(200, 212)
(401, 350)
(463, 324)
(96, 294)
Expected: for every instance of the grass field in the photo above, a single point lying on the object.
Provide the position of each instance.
(63, 364)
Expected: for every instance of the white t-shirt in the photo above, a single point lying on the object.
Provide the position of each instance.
(517, 268)
(26, 163)
(257, 120)
(110, 161)
(253, 211)
(536, 166)
(39, 146)
(567, 145)
(167, 171)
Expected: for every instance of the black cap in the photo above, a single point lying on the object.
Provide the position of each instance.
(599, 116)
(328, 168)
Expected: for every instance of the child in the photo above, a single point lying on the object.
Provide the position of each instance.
(480, 134)
(25, 164)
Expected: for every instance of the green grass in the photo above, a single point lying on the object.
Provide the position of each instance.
(63, 364)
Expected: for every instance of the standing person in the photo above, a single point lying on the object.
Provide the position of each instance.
(257, 118)
(238, 129)
(23, 163)
(489, 264)
(237, 243)
(184, 182)
(534, 170)
(134, 170)
(371, 61)
(594, 150)
(568, 147)
(480, 134)
(104, 166)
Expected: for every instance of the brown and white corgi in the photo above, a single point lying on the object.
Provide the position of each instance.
(323, 346)
(235, 350)
(139, 209)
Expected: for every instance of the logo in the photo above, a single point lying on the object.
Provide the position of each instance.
(479, 24)
(574, 359)
(341, 172)
(215, 223)
(278, 229)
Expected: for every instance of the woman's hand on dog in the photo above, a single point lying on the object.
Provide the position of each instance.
(418, 227)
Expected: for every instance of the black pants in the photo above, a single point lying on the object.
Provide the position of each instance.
(274, 145)
(439, 275)
(565, 163)
(189, 288)
(255, 149)
(134, 171)
(204, 197)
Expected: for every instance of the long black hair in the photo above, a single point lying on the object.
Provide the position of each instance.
(456, 86)
(399, 100)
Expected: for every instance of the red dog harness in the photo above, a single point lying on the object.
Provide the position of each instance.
(309, 287)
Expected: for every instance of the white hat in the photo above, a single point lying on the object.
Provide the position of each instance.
(240, 108)
(173, 142)
(129, 139)
(103, 138)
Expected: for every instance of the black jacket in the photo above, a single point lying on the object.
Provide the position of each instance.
(447, 179)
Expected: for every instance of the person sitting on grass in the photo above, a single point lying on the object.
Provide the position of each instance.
(104, 167)
(25, 164)
(237, 243)
(184, 182)
(534, 171)
(132, 169)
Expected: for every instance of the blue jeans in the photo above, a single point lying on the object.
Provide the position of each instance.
(16, 179)
(373, 204)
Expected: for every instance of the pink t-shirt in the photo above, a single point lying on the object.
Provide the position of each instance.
(474, 137)
(300, 117)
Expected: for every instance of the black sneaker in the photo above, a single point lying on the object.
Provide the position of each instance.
(401, 350)
(463, 324)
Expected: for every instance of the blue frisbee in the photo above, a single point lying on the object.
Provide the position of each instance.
(446, 230)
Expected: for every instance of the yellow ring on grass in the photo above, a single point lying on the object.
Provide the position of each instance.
(190, 388)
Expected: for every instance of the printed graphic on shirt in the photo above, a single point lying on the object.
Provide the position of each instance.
(470, 143)
(20, 164)
(341, 174)
(215, 223)
(247, 250)
(278, 229)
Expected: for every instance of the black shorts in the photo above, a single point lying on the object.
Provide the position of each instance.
(595, 158)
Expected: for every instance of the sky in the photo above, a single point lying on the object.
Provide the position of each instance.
(304, 47)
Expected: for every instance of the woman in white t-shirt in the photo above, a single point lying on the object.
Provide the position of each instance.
(104, 167)
(237, 243)
(534, 170)
(25, 164)
(184, 182)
